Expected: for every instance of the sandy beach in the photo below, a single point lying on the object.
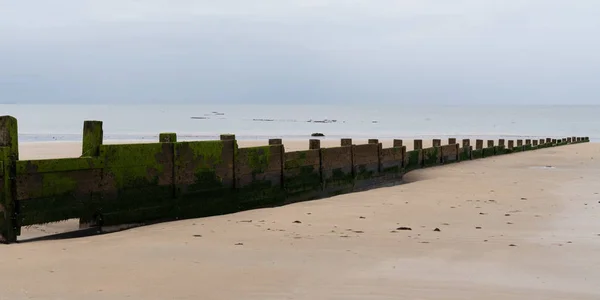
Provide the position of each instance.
(520, 226)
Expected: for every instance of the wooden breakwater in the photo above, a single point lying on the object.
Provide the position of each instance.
(112, 185)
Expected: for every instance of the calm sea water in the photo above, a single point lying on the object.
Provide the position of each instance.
(190, 122)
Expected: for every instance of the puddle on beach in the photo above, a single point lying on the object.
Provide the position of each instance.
(542, 167)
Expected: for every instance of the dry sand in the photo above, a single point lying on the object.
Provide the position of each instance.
(348, 247)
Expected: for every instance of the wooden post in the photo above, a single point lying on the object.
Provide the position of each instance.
(92, 138)
(437, 143)
(479, 144)
(418, 144)
(397, 143)
(167, 137)
(466, 143)
(490, 143)
(451, 141)
(346, 142)
(275, 142)
(314, 144)
(511, 144)
(519, 143)
(535, 143)
(9, 155)
(501, 142)
(373, 141)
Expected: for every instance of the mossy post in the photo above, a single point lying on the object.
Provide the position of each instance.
(451, 141)
(418, 144)
(541, 142)
(92, 138)
(519, 143)
(167, 137)
(511, 144)
(397, 144)
(9, 155)
(479, 144)
(314, 144)
(527, 142)
(373, 141)
(501, 142)
(548, 141)
(275, 142)
(346, 142)
(437, 143)
(490, 143)
(535, 143)
(569, 140)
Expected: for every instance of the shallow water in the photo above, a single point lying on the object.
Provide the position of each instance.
(192, 122)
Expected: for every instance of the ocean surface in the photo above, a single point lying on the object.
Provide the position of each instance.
(199, 122)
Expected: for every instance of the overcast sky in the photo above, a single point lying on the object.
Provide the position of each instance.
(300, 51)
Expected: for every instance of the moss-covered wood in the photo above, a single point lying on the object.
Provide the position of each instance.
(92, 138)
(337, 170)
(9, 155)
(302, 175)
(135, 177)
(487, 152)
(259, 175)
(431, 157)
(413, 160)
(477, 154)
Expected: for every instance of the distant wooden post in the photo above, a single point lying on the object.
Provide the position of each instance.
(275, 142)
(466, 143)
(437, 143)
(527, 142)
(9, 155)
(490, 143)
(92, 138)
(535, 143)
(478, 144)
(548, 140)
(346, 142)
(519, 143)
(418, 144)
(451, 141)
(314, 144)
(398, 144)
(373, 141)
(167, 137)
(511, 144)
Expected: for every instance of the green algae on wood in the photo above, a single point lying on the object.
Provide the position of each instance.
(9, 155)
(431, 157)
(59, 165)
(167, 137)
(92, 138)
(413, 160)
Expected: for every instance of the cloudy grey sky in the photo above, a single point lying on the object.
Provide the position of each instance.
(300, 51)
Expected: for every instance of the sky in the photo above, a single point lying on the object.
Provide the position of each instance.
(308, 51)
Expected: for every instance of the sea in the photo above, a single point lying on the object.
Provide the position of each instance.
(42, 123)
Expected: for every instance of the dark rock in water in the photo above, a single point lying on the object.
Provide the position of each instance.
(317, 134)
(199, 118)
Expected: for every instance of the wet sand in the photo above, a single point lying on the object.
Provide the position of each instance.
(509, 228)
